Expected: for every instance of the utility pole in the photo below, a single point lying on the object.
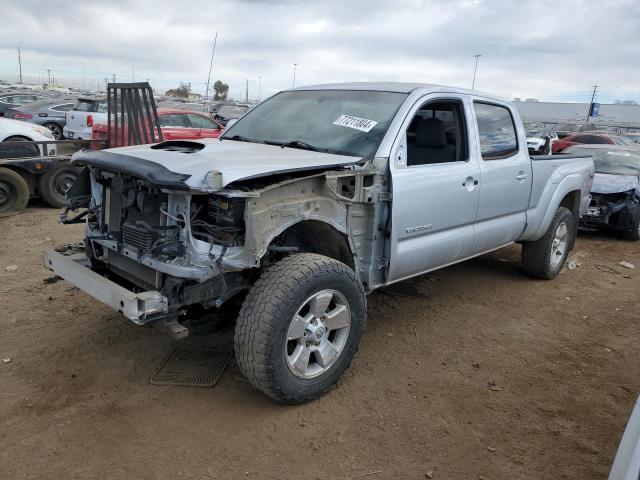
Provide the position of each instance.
(259, 88)
(294, 75)
(83, 79)
(593, 95)
(246, 91)
(114, 78)
(20, 64)
(49, 76)
(133, 74)
(475, 70)
(106, 83)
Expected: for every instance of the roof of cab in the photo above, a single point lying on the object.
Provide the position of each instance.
(397, 87)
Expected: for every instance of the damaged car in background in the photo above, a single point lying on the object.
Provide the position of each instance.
(615, 195)
(313, 199)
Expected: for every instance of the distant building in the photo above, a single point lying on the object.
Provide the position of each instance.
(194, 96)
(626, 113)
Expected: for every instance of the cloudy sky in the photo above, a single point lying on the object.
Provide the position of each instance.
(548, 49)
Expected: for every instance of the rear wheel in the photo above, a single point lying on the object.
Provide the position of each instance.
(53, 185)
(14, 192)
(300, 327)
(545, 257)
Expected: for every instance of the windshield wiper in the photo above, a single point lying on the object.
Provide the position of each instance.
(295, 144)
(240, 138)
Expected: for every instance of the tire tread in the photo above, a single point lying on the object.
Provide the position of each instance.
(267, 300)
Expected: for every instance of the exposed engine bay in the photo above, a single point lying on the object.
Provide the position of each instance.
(206, 247)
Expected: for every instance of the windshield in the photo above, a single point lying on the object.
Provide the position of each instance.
(614, 162)
(345, 122)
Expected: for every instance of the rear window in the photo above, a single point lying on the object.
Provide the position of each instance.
(83, 105)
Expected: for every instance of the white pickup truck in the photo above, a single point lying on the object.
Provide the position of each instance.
(315, 198)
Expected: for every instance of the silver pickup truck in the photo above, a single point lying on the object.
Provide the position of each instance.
(315, 198)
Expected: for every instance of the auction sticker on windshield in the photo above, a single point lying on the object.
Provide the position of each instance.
(357, 123)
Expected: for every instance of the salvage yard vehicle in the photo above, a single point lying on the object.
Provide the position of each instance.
(175, 125)
(48, 113)
(313, 199)
(589, 139)
(540, 139)
(80, 119)
(21, 179)
(615, 194)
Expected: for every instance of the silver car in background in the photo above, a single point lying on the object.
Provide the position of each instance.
(48, 113)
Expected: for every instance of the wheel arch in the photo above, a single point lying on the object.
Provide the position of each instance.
(567, 193)
(314, 235)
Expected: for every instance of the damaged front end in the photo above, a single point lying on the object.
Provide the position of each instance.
(156, 248)
(610, 203)
(149, 233)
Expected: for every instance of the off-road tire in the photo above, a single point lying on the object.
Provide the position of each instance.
(630, 223)
(536, 256)
(49, 184)
(264, 318)
(15, 192)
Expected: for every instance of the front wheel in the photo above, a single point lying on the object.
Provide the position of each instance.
(630, 223)
(545, 257)
(300, 327)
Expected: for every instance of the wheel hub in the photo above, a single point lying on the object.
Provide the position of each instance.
(559, 244)
(317, 334)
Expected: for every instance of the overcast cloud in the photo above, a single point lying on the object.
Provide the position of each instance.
(545, 49)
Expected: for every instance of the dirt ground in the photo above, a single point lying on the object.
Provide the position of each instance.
(492, 376)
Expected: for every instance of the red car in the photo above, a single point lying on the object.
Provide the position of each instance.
(175, 125)
(588, 138)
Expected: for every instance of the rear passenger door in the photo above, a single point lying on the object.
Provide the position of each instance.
(203, 127)
(435, 178)
(505, 176)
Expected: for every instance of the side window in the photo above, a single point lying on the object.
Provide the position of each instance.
(595, 139)
(437, 134)
(497, 131)
(583, 139)
(198, 121)
(174, 120)
(62, 108)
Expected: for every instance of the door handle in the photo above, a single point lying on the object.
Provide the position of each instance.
(521, 176)
(469, 183)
